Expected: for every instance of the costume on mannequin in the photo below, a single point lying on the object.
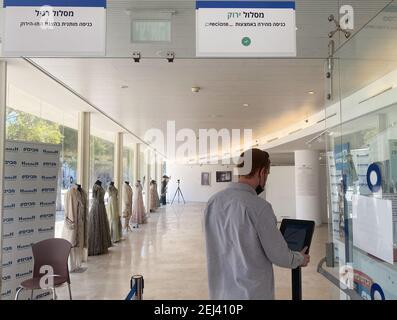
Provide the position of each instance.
(98, 225)
(127, 204)
(75, 225)
(154, 196)
(114, 213)
(138, 208)
(164, 184)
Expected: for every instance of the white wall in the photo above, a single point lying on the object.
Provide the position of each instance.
(280, 188)
(190, 176)
(280, 191)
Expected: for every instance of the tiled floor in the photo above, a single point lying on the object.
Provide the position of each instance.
(169, 252)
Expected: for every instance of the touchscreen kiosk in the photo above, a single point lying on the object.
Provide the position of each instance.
(298, 235)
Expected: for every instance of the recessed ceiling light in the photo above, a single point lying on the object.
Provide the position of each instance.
(246, 105)
(196, 89)
(311, 92)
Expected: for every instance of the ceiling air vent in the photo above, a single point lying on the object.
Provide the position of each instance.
(151, 31)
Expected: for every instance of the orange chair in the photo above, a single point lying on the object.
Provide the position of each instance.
(53, 253)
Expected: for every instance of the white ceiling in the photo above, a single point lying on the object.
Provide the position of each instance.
(276, 91)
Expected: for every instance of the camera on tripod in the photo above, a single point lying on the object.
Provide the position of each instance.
(178, 192)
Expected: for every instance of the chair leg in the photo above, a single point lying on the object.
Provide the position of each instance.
(18, 292)
(70, 292)
(54, 295)
(31, 295)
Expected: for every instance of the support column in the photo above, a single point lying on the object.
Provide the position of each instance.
(307, 185)
(155, 168)
(83, 150)
(137, 159)
(3, 92)
(118, 164)
(147, 183)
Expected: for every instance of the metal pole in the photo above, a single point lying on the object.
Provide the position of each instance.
(138, 281)
(297, 284)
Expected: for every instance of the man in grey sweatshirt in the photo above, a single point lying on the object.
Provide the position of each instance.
(242, 238)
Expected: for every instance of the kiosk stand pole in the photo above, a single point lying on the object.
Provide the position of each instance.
(297, 284)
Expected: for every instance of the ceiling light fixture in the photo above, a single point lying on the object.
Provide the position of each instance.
(311, 92)
(196, 89)
(246, 105)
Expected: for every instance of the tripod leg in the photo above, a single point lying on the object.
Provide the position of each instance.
(182, 196)
(174, 196)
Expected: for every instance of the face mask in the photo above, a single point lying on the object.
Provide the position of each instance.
(259, 190)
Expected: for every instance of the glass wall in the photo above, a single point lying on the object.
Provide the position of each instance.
(128, 163)
(362, 167)
(25, 126)
(102, 161)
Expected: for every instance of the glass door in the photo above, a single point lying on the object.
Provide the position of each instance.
(362, 161)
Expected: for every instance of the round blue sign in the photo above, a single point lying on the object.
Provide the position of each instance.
(374, 169)
(375, 288)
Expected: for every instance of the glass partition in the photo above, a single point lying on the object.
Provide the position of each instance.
(362, 141)
(36, 116)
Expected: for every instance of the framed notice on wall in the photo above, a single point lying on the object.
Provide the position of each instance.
(205, 178)
(223, 176)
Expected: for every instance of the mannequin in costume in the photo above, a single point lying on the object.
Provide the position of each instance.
(98, 225)
(164, 184)
(75, 226)
(138, 208)
(127, 204)
(114, 213)
(154, 196)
